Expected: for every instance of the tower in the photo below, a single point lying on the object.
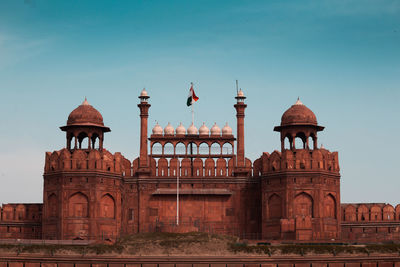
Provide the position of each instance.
(240, 106)
(300, 185)
(144, 164)
(82, 195)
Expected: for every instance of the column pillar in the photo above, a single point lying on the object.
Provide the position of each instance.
(240, 107)
(144, 114)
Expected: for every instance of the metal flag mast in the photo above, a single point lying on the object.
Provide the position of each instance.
(191, 84)
(177, 190)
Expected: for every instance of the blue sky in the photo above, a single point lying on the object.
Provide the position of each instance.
(341, 57)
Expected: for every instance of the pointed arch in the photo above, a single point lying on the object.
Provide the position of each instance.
(107, 207)
(274, 207)
(388, 213)
(362, 213)
(376, 213)
(303, 205)
(350, 213)
(330, 206)
(78, 205)
(52, 206)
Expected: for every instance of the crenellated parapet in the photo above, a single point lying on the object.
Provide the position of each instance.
(87, 159)
(369, 212)
(297, 160)
(199, 167)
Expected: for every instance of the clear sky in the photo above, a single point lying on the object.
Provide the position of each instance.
(342, 58)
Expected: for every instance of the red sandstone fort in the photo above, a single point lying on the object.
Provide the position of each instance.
(291, 194)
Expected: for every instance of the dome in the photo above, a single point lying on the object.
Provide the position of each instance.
(192, 129)
(298, 114)
(240, 93)
(169, 130)
(215, 130)
(157, 130)
(85, 115)
(204, 130)
(226, 130)
(180, 129)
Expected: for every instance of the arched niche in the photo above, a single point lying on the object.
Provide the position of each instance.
(274, 207)
(362, 213)
(107, 207)
(388, 213)
(329, 207)
(52, 206)
(350, 213)
(376, 213)
(303, 205)
(78, 206)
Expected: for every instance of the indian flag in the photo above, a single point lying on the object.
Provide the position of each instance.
(192, 97)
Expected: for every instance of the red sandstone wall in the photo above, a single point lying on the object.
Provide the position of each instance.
(370, 222)
(21, 221)
(300, 195)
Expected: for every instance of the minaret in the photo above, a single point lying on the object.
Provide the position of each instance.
(240, 107)
(144, 114)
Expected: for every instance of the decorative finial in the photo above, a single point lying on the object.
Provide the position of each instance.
(85, 103)
(322, 146)
(298, 102)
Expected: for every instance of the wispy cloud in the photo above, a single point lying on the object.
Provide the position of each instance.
(16, 49)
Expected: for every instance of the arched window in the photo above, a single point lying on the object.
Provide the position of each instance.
(83, 140)
(204, 149)
(215, 149)
(168, 149)
(300, 141)
(95, 141)
(192, 149)
(180, 149)
(287, 142)
(156, 149)
(227, 149)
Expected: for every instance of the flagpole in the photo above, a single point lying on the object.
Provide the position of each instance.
(192, 107)
(177, 191)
